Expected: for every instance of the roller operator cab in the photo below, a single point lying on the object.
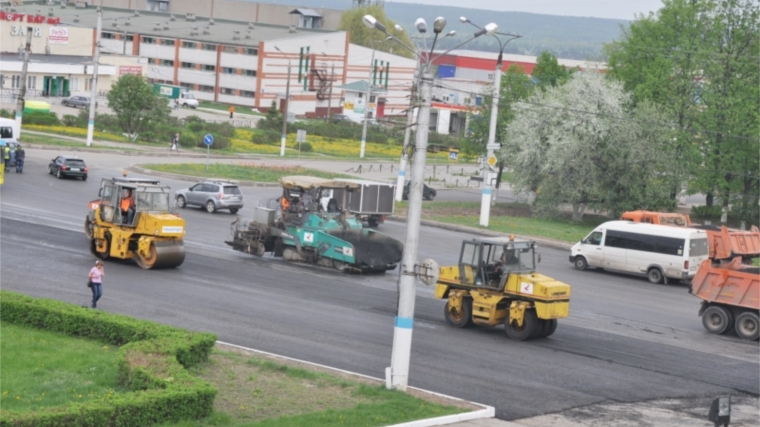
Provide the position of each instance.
(496, 283)
(131, 220)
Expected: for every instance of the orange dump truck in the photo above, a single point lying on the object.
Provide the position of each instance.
(724, 243)
(730, 294)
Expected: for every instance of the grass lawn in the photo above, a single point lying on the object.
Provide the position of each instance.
(41, 369)
(242, 171)
(511, 218)
(256, 390)
(226, 108)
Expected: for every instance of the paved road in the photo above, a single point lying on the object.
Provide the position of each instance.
(626, 340)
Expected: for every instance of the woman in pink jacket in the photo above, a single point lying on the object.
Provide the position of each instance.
(96, 277)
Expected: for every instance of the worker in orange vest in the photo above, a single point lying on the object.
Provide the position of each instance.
(284, 204)
(232, 110)
(128, 206)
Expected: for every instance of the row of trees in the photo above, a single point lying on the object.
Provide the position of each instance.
(677, 107)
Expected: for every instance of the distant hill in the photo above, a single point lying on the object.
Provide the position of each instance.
(566, 37)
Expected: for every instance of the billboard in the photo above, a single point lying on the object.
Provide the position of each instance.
(130, 69)
(58, 35)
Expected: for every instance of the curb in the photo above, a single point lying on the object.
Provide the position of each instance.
(485, 412)
(483, 232)
(190, 178)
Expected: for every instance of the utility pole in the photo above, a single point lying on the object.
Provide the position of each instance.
(22, 93)
(329, 99)
(366, 104)
(485, 203)
(94, 92)
(402, 331)
(285, 110)
(400, 181)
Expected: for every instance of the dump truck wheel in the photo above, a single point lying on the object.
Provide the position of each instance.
(580, 263)
(524, 332)
(717, 319)
(459, 319)
(546, 327)
(655, 275)
(747, 326)
(552, 327)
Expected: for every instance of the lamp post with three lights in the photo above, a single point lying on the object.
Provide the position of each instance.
(397, 375)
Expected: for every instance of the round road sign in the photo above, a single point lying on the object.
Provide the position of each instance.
(208, 139)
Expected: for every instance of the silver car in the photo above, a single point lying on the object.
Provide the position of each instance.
(211, 195)
(77, 102)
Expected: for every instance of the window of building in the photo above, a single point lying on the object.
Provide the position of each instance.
(130, 37)
(188, 65)
(189, 45)
(228, 91)
(250, 73)
(167, 42)
(167, 63)
(206, 46)
(203, 88)
(209, 68)
(188, 86)
(32, 82)
(227, 70)
(152, 61)
(88, 84)
(149, 40)
(74, 84)
(248, 94)
(108, 36)
(251, 51)
(230, 49)
(16, 82)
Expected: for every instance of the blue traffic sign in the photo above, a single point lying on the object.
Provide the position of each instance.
(208, 139)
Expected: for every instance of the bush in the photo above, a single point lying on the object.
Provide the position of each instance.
(220, 142)
(266, 136)
(41, 118)
(188, 139)
(153, 358)
(103, 123)
(70, 120)
(305, 147)
(8, 114)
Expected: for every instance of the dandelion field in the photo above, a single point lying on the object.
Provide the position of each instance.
(40, 369)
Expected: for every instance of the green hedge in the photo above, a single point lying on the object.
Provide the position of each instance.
(152, 363)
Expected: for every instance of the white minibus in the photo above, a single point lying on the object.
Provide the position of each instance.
(659, 252)
(9, 131)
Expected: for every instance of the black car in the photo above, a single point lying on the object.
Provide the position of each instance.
(63, 166)
(336, 118)
(427, 192)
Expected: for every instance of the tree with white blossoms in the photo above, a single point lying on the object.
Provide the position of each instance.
(585, 145)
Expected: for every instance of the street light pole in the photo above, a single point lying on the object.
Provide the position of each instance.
(22, 93)
(401, 180)
(366, 104)
(285, 110)
(94, 89)
(397, 375)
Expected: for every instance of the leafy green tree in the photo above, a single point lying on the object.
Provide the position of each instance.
(136, 108)
(515, 86)
(351, 21)
(548, 71)
(584, 144)
(698, 60)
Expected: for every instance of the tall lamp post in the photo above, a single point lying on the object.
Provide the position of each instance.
(397, 375)
(368, 95)
(485, 202)
(401, 179)
(285, 110)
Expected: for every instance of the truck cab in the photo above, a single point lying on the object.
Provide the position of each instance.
(187, 99)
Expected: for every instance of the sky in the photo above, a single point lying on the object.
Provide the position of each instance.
(613, 9)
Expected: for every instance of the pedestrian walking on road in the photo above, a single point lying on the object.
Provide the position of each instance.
(176, 104)
(20, 155)
(96, 280)
(232, 110)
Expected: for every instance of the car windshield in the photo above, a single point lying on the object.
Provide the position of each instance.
(231, 190)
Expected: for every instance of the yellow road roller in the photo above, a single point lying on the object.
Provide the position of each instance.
(131, 220)
(496, 283)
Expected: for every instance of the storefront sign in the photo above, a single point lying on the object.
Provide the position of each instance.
(130, 69)
(20, 30)
(58, 35)
(34, 19)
